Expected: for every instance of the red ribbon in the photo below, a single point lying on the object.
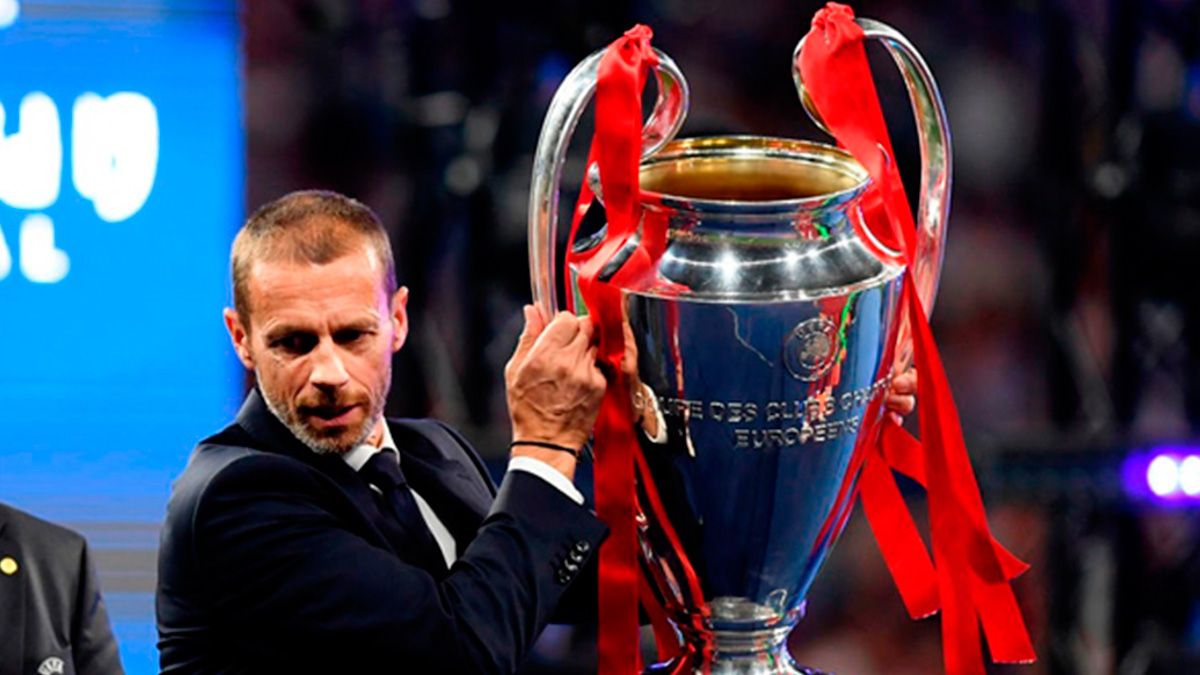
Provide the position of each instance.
(968, 577)
(616, 148)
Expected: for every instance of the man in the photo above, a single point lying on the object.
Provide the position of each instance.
(311, 535)
(52, 618)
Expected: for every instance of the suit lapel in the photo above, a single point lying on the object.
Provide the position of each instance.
(440, 471)
(451, 485)
(12, 601)
(271, 435)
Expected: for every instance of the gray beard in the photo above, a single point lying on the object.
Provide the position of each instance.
(320, 446)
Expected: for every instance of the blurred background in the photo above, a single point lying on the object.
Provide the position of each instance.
(136, 134)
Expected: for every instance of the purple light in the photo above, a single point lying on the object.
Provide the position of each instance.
(1189, 476)
(1162, 476)
(1168, 475)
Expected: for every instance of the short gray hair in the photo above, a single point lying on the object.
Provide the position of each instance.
(314, 226)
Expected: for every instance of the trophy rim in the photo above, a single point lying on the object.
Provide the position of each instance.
(809, 154)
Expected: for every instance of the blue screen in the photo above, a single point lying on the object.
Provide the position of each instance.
(121, 173)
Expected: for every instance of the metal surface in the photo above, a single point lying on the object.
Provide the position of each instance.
(763, 335)
(933, 130)
(562, 117)
(766, 333)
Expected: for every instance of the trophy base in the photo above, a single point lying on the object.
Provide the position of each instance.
(762, 652)
(762, 665)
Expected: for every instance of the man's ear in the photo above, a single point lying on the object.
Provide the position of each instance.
(239, 336)
(399, 318)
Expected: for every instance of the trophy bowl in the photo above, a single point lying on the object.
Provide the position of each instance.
(766, 336)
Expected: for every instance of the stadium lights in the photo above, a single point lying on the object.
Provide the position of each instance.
(1165, 474)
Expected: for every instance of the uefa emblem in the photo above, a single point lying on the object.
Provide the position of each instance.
(810, 349)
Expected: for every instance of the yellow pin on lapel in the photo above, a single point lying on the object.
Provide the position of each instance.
(8, 566)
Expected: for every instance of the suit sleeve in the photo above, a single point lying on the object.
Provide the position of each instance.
(289, 577)
(93, 647)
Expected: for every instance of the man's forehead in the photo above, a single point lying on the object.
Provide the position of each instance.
(285, 254)
(278, 323)
(360, 264)
(348, 284)
(282, 315)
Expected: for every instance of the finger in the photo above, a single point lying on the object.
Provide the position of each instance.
(583, 338)
(902, 404)
(595, 369)
(539, 315)
(529, 333)
(535, 318)
(587, 327)
(906, 382)
(592, 358)
(560, 331)
(534, 323)
(629, 363)
(587, 355)
(598, 380)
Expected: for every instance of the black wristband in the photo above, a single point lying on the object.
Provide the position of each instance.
(549, 446)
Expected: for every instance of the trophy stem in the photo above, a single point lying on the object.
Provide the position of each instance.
(760, 652)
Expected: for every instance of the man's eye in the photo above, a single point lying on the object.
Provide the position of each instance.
(349, 336)
(295, 343)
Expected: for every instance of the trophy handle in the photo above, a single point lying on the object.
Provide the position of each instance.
(934, 138)
(566, 108)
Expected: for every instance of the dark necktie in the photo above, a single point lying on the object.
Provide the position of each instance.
(414, 541)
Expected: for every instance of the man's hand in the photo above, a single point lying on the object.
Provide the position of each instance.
(902, 396)
(553, 385)
(641, 398)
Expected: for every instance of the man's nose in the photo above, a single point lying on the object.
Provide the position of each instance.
(328, 371)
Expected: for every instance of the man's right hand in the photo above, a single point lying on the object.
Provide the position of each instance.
(553, 385)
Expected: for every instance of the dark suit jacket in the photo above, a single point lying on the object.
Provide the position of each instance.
(272, 559)
(51, 614)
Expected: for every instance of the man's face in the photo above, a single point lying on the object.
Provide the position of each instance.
(320, 341)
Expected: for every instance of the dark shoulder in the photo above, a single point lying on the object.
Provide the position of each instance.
(436, 431)
(222, 466)
(227, 456)
(32, 531)
(446, 440)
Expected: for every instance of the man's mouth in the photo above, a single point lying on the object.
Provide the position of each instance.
(330, 415)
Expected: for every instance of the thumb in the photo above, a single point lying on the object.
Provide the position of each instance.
(534, 325)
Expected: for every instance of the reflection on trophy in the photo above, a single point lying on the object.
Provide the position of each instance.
(764, 339)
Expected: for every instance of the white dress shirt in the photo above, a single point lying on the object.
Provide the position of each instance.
(358, 456)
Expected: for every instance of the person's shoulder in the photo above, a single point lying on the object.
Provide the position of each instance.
(33, 530)
(228, 456)
(430, 428)
(213, 455)
(443, 437)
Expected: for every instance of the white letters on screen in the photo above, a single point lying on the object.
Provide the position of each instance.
(5, 257)
(31, 158)
(114, 162)
(41, 262)
(9, 11)
(114, 154)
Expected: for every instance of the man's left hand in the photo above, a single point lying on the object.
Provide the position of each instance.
(902, 396)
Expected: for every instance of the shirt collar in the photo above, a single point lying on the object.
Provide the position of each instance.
(357, 456)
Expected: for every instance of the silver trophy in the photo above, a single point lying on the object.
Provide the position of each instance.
(768, 334)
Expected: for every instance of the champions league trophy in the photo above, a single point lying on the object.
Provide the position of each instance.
(767, 333)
